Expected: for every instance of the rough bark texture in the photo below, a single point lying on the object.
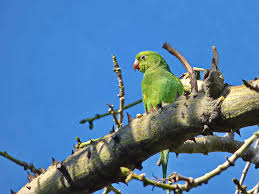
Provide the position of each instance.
(98, 165)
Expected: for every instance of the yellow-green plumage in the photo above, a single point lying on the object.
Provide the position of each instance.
(159, 85)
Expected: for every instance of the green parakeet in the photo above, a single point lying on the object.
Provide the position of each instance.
(159, 85)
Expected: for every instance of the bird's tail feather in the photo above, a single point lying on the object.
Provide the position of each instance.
(164, 155)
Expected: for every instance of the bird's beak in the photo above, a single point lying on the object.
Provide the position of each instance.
(136, 65)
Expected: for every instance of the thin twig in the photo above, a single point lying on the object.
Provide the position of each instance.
(131, 175)
(196, 69)
(254, 190)
(21, 163)
(231, 160)
(111, 188)
(98, 116)
(183, 75)
(198, 181)
(249, 85)
(175, 177)
(114, 115)
(240, 187)
(186, 64)
(247, 166)
(84, 144)
(117, 70)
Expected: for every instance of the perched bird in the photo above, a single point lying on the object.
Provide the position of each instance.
(159, 86)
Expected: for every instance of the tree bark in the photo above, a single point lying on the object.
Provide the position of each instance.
(98, 165)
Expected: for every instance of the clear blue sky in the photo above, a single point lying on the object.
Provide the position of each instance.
(56, 69)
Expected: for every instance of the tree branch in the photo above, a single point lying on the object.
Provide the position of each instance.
(240, 187)
(247, 166)
(249, 85)
(117, 70)
(21, 163)
(111, 188)
(186, 64)
(97, 165)
(190, 182)
(113, 115)
(254, 190)
(98, 116)
(205, 145)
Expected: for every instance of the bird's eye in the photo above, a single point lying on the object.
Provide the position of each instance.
(143, 57)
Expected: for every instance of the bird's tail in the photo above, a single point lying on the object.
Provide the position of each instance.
(164, 155)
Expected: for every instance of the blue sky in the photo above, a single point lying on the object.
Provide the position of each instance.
(56, 69)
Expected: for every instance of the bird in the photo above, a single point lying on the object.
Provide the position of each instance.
(159, 87)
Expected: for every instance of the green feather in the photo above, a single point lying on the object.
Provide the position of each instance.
(164, 156)
(159, 85)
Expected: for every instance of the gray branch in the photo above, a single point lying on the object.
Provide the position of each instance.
(205, 145)
(98, 165)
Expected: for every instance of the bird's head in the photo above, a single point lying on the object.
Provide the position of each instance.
(149, 60)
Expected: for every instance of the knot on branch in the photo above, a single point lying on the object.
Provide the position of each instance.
(213, 83)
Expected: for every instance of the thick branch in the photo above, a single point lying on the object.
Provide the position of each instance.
(146, 136)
